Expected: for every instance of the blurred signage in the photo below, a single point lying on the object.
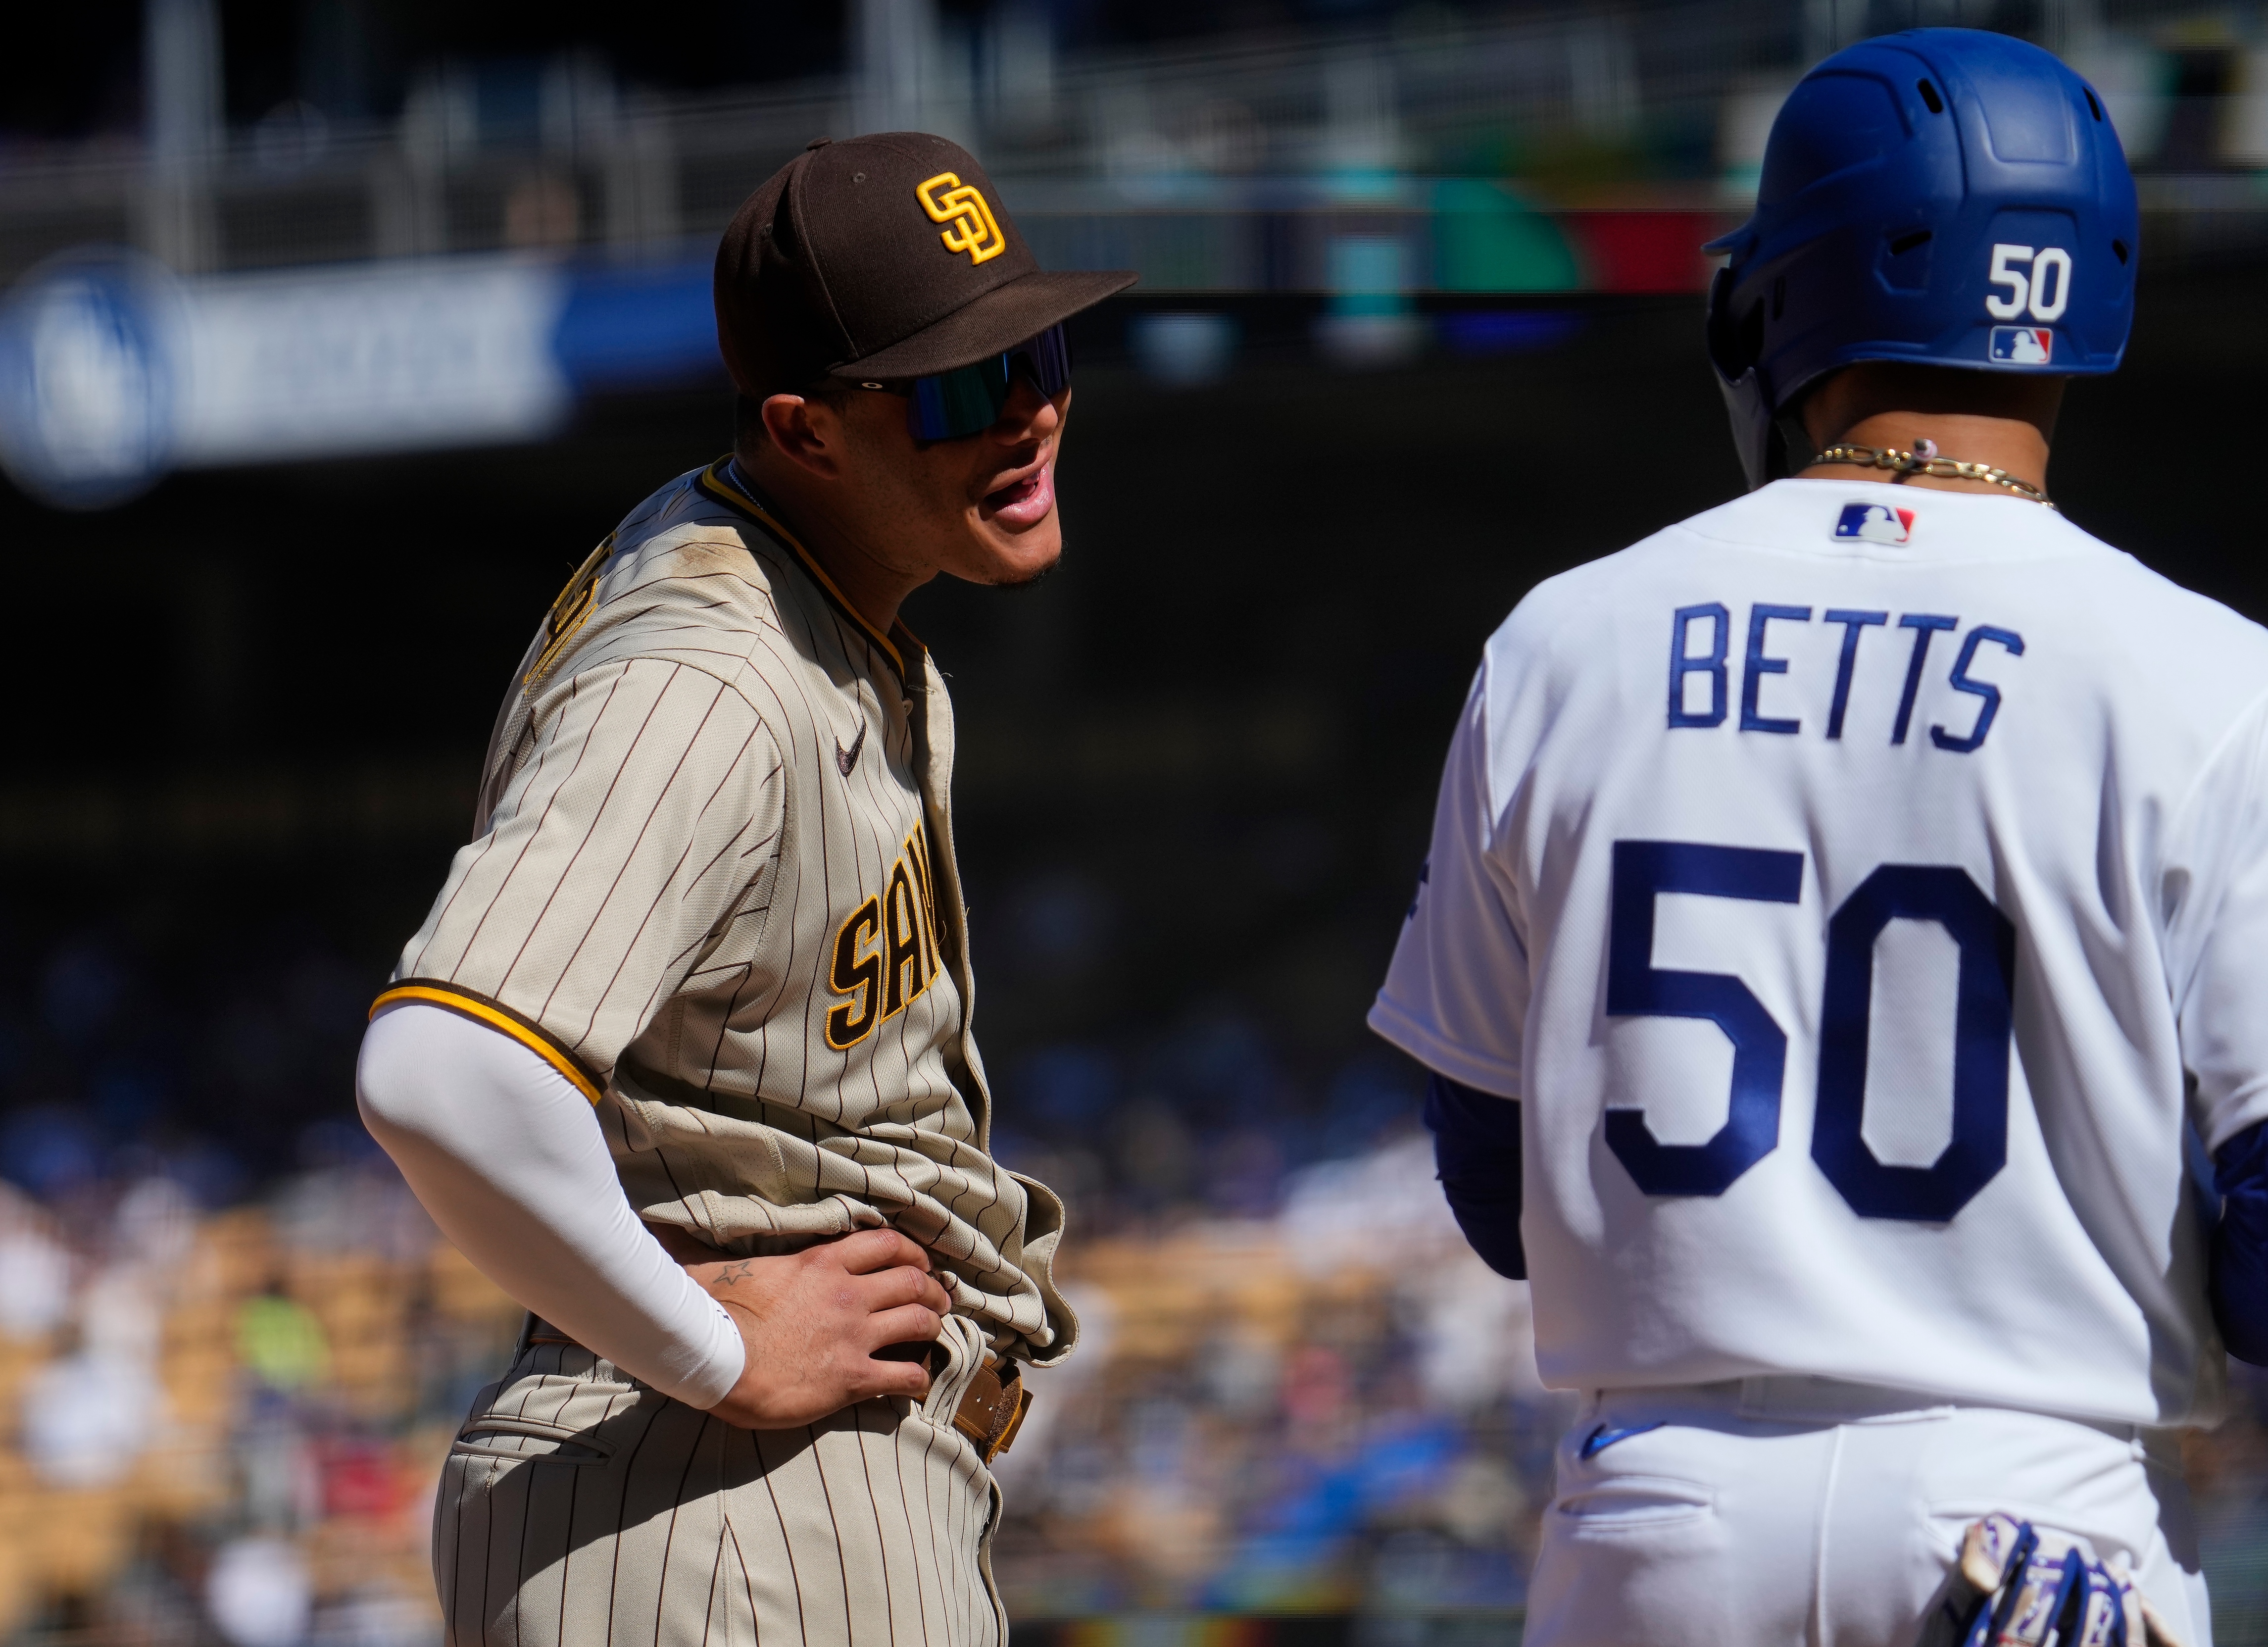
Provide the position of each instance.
(368, 359)
(113, 372)
(89, 379)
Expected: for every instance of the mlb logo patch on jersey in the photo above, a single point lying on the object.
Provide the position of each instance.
(1874, 523)
(2023, 345)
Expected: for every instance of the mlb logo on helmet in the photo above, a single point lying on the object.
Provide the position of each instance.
(1874, 523)
(2023, 345)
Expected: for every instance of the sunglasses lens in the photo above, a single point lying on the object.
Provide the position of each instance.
(1049, 358)
(968, 400)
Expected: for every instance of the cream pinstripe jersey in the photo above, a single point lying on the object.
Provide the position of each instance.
(714, 885)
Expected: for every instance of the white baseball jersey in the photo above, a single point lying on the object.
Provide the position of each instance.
(1859, 886)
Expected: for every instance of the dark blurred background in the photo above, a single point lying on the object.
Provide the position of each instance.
(1199, 759)
(1418, 327)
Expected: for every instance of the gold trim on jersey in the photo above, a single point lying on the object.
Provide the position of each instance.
(496, 1015)
(884, 956)
(568, 612)
(716, 486)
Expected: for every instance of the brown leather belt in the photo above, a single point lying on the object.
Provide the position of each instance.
(991, 1409)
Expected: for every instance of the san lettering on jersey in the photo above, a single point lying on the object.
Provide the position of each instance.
(885, 951)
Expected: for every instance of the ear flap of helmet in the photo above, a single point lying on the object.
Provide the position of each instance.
(1763, 455)
(1733, 345)
(1790, 450)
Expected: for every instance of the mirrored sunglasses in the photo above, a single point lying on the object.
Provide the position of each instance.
(968, 400)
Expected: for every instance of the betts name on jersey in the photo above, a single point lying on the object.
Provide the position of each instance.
(1861, 893)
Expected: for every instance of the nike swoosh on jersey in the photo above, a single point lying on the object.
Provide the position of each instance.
(1605, 1436)
(845, 760)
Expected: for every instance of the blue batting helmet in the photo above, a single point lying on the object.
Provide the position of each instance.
(1943, 195)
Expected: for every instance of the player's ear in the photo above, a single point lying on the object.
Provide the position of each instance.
(807, 433)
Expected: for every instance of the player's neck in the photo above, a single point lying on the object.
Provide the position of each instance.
(2005, 420)
(874, 588)
(2006, 443)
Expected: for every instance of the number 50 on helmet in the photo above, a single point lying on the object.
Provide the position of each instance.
(1942, 195)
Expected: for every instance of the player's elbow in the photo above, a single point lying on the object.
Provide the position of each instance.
(2246, 1340)
(392, 1092)
(2238, 1283)
(1476, 1154)
(1491, 1228)
(2240, 1300)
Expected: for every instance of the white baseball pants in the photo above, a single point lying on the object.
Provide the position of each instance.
(1805, 1513)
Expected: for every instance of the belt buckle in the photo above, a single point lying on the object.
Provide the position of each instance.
(992, 1410)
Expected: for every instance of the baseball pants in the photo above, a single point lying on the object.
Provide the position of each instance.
(1805, 1513)
(578, 1506)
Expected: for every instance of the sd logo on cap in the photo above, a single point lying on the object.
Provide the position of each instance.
(973, 230)
(829, 270)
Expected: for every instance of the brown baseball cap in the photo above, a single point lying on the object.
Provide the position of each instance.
(882, 256)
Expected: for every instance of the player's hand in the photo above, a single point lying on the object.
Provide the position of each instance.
(813, 1321)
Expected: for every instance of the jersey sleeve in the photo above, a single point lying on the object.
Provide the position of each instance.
(2216, 890)
(1455, 995)
(643, 819)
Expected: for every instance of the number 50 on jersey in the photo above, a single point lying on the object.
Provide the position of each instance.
(1983, 1026)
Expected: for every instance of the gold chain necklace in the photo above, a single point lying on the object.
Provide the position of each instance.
(1924, 460)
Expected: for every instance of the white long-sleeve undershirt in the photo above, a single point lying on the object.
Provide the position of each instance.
(509, 1159)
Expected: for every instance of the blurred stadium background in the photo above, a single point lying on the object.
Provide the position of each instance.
(340, 329)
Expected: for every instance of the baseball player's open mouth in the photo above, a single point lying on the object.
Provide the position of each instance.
(1025, 502)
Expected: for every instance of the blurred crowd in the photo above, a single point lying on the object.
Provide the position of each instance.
(233, 1350)
(1331, 1409)
(233, 1357)
(225, 1426)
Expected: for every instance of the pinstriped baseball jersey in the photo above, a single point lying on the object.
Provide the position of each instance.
(714, 883)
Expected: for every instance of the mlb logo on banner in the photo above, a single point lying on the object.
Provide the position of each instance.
(2023, 345)
(1874, 523)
